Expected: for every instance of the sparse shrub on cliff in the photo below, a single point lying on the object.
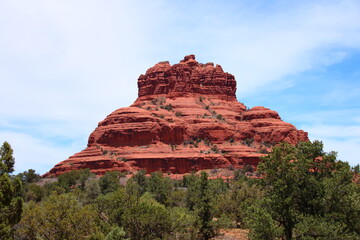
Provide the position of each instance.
(121, 159)
(215, 148)
(248, 168)
(155, 101)
(269, 144)
(206, 141)
(168, 107)
(178, 114)
(231, 167)
(173, 147)
(263, 151)
(158, 101)
(219, 117)
(248, 141)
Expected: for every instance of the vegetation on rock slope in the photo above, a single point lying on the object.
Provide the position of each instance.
(304, 193)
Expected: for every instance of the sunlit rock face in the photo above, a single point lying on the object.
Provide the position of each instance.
(186, 118)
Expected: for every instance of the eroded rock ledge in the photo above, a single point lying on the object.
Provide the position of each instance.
(185, 119)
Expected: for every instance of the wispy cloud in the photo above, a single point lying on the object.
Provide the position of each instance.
(65, 65)
(343, 139)
(30, 152)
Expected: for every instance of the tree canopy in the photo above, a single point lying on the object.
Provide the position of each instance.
(308, 192)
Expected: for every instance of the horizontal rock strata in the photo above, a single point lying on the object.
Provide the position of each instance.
(186, 118)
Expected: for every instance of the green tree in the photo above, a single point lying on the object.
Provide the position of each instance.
(33, 192)
(117, 233)
(147, 219)
(59, 217)
(7, 160)
(303, 183)
(30, 176)
(204, 209)
(113, 205)
(183, 224)
(10, 193)
(356, 169)
(74, 178)
(109, 182)
(140, 179)
(191, 182)
(262, 224)
(92, 190)
(235, 203)
(160, 187)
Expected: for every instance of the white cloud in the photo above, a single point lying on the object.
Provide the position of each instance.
(334, 131)
(65, 65)
(347, 150)
(343, 139)
(297, 40)
(342, 117)
(85, 56)
(37, 154)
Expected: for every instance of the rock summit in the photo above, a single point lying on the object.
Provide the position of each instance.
(186, 118)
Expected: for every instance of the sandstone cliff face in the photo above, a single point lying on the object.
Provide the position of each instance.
(185, 119)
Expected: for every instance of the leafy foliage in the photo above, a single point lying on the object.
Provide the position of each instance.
(147, 219)
(109, 182)
(204, 209)
(59, 217)
(304, 185)
(73, 178)
(10, 193)
(304, 193)
(7, 160)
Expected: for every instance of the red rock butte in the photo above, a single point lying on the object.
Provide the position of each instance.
(186, 118)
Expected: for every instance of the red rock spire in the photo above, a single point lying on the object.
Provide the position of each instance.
(186, 119)
(187, 77)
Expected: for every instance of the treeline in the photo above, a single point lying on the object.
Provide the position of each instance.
(304, 193)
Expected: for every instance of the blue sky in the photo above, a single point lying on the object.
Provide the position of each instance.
(65, 65)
